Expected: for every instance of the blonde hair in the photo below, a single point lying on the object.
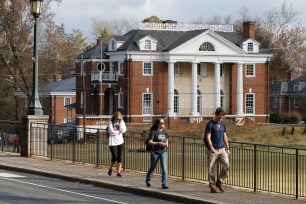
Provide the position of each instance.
(116, 115)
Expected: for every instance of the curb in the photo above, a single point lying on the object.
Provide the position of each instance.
(135, 190)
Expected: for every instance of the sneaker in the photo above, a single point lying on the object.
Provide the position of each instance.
(148, 184)
(219, 184)
(165, 187)
(213, 189)
(120, 175)
(110, 171)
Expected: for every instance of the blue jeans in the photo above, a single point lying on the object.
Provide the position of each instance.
(163, 163)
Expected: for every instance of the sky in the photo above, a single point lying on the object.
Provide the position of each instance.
(78, 14)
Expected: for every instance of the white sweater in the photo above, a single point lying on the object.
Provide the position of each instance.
(116, 131)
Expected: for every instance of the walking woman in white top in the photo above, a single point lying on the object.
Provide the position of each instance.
(116, 128)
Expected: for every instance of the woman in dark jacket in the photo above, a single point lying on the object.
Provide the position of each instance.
(159, 140)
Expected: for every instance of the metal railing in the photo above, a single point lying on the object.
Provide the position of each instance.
(10, 135)
(259, 167)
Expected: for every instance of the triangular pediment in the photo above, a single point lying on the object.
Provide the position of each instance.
(221, 45)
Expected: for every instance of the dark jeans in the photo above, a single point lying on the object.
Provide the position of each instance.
(116, 153)
(163, 163)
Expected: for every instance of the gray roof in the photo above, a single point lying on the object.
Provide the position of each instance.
(275, 88)
(65, 85)
(299, 81)
(166, 40)
(119, 37)
(94, 53)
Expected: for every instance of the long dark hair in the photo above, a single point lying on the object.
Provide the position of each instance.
(155, 125)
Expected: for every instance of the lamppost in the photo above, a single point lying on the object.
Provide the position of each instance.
(35, 106)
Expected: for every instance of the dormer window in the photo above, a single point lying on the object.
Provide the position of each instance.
(207, 46)
(250, 47)
(147, 45)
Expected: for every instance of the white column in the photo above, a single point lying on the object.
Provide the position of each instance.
(194, 81)
(171, 89)
(217, 86)
(239, 90)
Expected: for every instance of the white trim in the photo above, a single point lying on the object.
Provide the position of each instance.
(151, 103)
(254, 70)
(254, 104)
(147, 62)
(182, 27)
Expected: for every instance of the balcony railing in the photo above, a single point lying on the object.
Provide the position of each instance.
(106, 76)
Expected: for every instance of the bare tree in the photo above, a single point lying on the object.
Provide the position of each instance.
(105, 28)
(16, 51)
(279, 33)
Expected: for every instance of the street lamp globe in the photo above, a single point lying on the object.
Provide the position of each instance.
(36, 6)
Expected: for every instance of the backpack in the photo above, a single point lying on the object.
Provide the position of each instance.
(106, 130)
(149, 148)
(205, 136)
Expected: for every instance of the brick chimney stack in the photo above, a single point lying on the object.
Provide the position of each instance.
(248, 29)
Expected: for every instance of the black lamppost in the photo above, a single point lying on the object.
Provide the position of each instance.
(35, 106)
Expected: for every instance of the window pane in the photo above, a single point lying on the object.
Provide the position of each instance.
(250, 70)
(67, 101)
(148, 44)
(249, 104)
(206, 47)
(120, 70)
(146, 104)
(250, 46)
(147, 68)
(176, 101)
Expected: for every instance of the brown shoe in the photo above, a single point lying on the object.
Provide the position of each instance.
(213, 189)
(219, 184)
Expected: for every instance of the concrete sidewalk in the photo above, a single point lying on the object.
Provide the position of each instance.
(134, 182)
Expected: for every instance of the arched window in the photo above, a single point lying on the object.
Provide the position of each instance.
(199, 101)
(222, 98)
(207, 46)
(176, 101)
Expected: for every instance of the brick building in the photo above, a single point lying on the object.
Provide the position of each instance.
(57, 100)
(181, 72)
(289, 98)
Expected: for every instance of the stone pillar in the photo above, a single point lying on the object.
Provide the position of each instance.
(35, 135)
(194, 94)
(217, 95)
(239, 90)
(171, 89)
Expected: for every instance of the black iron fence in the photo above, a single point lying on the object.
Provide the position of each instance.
(259, 167)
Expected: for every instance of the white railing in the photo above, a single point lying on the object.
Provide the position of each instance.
(106, 76)
(182, 27)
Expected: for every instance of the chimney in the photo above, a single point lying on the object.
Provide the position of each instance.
(170, 22)
(99, 41)
(248, 29)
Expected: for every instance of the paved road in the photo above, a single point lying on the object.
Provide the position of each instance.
(134, 182)
(24, 188)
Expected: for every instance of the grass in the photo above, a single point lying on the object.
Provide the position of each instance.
(271, 134)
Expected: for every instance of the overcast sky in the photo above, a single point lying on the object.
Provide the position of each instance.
(77, 14)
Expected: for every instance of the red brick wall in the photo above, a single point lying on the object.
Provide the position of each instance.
(258, 85)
